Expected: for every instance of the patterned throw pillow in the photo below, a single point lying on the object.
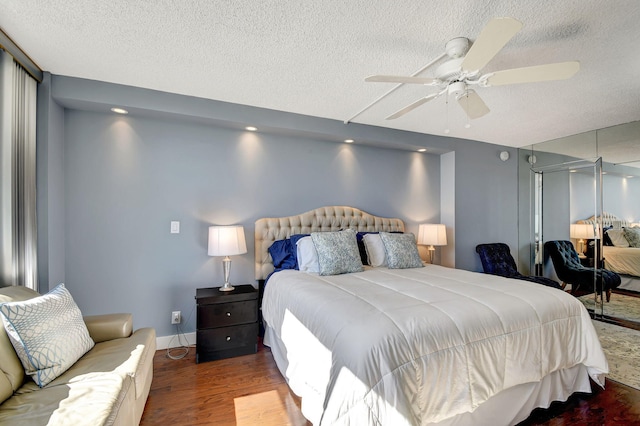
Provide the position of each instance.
(402, 251)
(47, 332)
(337, 252)
(633, 236)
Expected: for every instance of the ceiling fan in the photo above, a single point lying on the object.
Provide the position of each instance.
(458, 75)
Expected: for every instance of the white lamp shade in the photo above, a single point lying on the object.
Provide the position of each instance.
(226, 240)
(582, 231)
(431, 234)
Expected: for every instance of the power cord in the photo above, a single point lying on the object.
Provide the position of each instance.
(183, 348)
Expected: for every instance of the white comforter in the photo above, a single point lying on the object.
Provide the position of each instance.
(421, 345)
(622, 260)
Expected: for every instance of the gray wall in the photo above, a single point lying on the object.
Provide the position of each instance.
(621, 196)
(185, 159)
(50, 187)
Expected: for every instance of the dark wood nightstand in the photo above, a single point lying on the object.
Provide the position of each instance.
(227, 322)
(586, 261)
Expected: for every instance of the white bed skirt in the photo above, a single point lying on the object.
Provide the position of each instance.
(629, 283)
(510, 406)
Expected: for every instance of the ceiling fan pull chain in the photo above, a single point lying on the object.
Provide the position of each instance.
(468, 125)
(446, 130)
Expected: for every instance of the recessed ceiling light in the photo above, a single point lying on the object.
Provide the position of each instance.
(348, 141)
(629, 177)
(251, 128)
(572, 171)
(119, 110)
(422, 150)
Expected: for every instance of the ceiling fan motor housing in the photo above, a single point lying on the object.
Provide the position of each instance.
(450, 70)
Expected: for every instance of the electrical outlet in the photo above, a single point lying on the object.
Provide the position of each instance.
(176, 318)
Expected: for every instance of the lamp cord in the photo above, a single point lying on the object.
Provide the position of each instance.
(183, 348)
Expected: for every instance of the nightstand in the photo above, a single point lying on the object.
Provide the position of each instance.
(227, 322)
(586, 261)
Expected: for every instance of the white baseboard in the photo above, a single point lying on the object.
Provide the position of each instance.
(164, 342)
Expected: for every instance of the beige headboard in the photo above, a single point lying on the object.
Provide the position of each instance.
(607, 220)
(332, 218)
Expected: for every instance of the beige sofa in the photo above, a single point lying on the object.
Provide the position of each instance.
(109, 385)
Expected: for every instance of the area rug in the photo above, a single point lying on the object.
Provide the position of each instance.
(621, 306)
(621, 345)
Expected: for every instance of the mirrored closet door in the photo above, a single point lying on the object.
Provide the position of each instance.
(585, 189)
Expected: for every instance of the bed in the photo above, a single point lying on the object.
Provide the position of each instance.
(422, 345)
(624, 261)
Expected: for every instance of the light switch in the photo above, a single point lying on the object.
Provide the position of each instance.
(175, 227)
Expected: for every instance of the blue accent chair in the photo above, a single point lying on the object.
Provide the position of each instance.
(569, 269)
(497, 260)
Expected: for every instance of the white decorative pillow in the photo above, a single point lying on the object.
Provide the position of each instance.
(47, 332)
(617, 238)
(337, 252)
(402, 251)
(375, 250)
(307, 255)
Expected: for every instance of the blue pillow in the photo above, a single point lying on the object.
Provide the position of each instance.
(280, 252)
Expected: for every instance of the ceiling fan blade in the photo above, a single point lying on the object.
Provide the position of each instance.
(413, 106)
(492, 38)
(549, 72)
(473, 104)
(398, 79)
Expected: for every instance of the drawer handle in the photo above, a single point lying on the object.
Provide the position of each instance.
(228, 338)
(228, 314)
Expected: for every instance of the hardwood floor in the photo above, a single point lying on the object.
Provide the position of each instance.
(249, 390)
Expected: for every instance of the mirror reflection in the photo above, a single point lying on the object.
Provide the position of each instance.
(589, 188)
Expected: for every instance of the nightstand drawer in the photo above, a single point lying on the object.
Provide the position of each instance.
(226, 314)
(218, 343)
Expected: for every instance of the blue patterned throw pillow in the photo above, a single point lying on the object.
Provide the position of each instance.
(633, 236)
(401, 250)
(47, 332)
(337, 252)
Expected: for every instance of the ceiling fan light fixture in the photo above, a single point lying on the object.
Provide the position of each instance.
(457, 88)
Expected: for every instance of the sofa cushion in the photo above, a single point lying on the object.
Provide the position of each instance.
(126, 357)
(47, 332)
(89, 400)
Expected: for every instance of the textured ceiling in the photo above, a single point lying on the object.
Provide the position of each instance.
(312, 57)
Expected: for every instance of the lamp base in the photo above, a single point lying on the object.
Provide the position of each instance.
(226, 266)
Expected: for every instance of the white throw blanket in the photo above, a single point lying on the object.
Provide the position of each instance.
(421, 345)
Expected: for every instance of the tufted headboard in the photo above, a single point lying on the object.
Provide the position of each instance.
(607, 220)
(331, 218)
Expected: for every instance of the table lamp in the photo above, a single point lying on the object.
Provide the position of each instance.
(226, 241)
(581, 232)
(431, 234)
